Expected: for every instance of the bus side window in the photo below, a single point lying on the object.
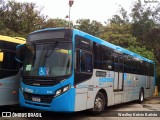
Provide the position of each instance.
(83, 62)
(89, 63)
(1, 56)
(116, 64)
(84, 66)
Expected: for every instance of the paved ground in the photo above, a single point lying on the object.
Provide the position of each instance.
(150, 107)
(153, 100)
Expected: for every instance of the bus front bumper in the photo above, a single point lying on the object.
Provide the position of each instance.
(62, 103)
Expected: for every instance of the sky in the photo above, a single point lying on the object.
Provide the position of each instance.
(99, 10)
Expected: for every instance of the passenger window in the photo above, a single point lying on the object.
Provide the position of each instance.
(9, 66)
(89, 62)
(83, 66)
(86, 62)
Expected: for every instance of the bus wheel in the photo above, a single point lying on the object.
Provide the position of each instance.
(99, 103)
(141, 96)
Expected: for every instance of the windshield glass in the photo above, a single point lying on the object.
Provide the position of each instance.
(53, 59)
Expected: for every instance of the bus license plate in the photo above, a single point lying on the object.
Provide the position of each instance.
(36, 99)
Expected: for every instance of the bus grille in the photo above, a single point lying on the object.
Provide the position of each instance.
(40, 83)
(43, 98)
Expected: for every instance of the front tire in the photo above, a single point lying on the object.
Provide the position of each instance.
(99, 103)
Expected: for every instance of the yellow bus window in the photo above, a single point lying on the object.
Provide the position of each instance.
(1, 56)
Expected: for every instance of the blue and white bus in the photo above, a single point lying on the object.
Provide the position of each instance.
(67, 70)
(9, 70)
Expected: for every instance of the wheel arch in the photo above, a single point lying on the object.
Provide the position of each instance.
(105, 95)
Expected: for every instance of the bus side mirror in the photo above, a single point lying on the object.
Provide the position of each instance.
(1, 56)
(20, 52)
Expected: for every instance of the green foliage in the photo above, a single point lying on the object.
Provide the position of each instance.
(142, 51)
(55, 23)
(119, 35)
(91, 27)
(120, 19)
(144, 18)
(21, 18)
(143, 36)
(146, 28)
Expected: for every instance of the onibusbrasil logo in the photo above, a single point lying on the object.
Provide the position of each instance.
(13, 114)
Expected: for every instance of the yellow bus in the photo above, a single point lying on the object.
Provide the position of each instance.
(9, 70)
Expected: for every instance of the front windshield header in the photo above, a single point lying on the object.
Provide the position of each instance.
(49, 34)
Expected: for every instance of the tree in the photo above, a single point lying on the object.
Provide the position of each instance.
(120, 19)
(144, 31)
(144, 18)
(146, 28)
(92, 27)
(121, 35)
(21, 18)
(55, 23)
(118, 34)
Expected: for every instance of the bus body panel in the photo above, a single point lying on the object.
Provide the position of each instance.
(85, 96)
(86, 91)
(9, 90)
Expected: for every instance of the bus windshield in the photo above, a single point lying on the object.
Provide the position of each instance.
(51, 59)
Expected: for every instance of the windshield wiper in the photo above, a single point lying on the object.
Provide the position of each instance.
(53, 45)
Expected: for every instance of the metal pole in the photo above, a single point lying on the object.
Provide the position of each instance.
(69, 24)
(70, 5)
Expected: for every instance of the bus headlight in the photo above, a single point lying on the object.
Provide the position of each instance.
(66, 88)
(62, 90)
(58, 92)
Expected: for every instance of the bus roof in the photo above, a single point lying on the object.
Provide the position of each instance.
(100, 41)
(18, 40)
